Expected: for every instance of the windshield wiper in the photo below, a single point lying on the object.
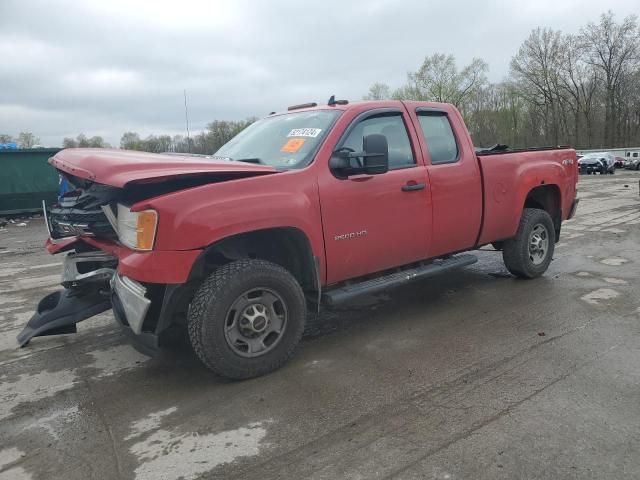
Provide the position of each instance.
(249, 160)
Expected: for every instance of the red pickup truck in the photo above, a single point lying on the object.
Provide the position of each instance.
(315, 205)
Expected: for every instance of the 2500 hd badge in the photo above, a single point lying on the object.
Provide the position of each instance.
(349, 236)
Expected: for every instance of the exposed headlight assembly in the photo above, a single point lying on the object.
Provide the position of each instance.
(137, 230)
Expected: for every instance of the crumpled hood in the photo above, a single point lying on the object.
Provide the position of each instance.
(121, 167)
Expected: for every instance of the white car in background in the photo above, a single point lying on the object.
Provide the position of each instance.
(597, 162)
(632, 161)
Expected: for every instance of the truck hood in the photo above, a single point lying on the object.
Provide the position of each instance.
(119, 168)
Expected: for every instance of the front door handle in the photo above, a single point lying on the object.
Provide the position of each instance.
(410, 187)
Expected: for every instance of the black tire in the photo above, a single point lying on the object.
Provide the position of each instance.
(209, 315)
(516, 251)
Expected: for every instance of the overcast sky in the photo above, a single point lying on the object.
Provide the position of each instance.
(104, 67)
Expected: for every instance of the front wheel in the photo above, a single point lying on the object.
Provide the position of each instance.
(246, 318)
(529, 253)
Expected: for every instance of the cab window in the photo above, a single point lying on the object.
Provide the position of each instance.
(441, 142)
(391, 126)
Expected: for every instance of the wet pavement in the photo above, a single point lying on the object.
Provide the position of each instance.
(470, 375)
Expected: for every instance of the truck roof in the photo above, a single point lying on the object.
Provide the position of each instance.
(357, 104)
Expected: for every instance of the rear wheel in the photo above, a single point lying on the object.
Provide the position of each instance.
(529, 253)
(246, 318)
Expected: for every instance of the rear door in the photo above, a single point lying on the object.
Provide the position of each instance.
(375, 222)
(454, 178)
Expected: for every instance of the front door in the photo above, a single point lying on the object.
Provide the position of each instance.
(375, 222)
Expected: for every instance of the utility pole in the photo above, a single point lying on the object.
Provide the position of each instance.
(186, 117)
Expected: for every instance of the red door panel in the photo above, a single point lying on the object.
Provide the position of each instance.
(371, 224)
(456, 187)
(375, 222)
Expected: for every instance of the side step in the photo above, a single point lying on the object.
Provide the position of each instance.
(347, 292)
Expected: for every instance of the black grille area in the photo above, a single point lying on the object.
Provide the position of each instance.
(80, 213)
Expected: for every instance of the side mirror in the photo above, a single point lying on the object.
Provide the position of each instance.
(372, 160)
(376, 158)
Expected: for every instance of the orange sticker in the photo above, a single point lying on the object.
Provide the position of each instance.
(292, 145)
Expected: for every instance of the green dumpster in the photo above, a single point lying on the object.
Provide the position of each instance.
(26, 179)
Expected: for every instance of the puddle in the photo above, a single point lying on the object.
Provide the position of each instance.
(583, 274)
(600, 294)
(615, 281)
(170, 455)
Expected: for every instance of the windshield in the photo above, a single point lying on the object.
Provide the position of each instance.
(284, 141)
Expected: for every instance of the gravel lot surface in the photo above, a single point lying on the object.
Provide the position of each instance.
(471, 375)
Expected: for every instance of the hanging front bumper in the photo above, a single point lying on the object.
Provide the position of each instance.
(132, 300)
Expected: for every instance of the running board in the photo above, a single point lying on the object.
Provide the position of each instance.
(347, 292)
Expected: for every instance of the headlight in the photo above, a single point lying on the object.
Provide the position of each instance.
(137, 230)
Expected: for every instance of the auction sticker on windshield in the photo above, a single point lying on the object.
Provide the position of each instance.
(305, 132)
(293, 145)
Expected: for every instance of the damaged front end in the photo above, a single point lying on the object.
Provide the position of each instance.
(84, 227)
(86, 279)
(111, 257)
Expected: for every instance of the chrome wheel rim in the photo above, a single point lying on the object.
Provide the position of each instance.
(255, 322)
(538, 244)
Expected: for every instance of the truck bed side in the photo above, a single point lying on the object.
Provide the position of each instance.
(545, 178)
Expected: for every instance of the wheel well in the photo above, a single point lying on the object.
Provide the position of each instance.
(547, 197)
(285, 246)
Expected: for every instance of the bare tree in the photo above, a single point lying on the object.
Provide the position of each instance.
(439, 80)
(578, 89)
(614, 48)
(69, 142)
(97, 142)
(130, 141)
(536, 69)
(27, 140)
(378, 91)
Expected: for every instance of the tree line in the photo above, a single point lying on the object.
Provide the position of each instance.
(23, 140)
(580, 89)
(216, 134)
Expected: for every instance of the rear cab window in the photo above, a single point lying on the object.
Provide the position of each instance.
(439, 136)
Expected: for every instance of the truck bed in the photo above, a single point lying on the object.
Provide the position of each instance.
(507, 176)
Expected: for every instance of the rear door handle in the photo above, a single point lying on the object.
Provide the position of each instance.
(410, 187)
